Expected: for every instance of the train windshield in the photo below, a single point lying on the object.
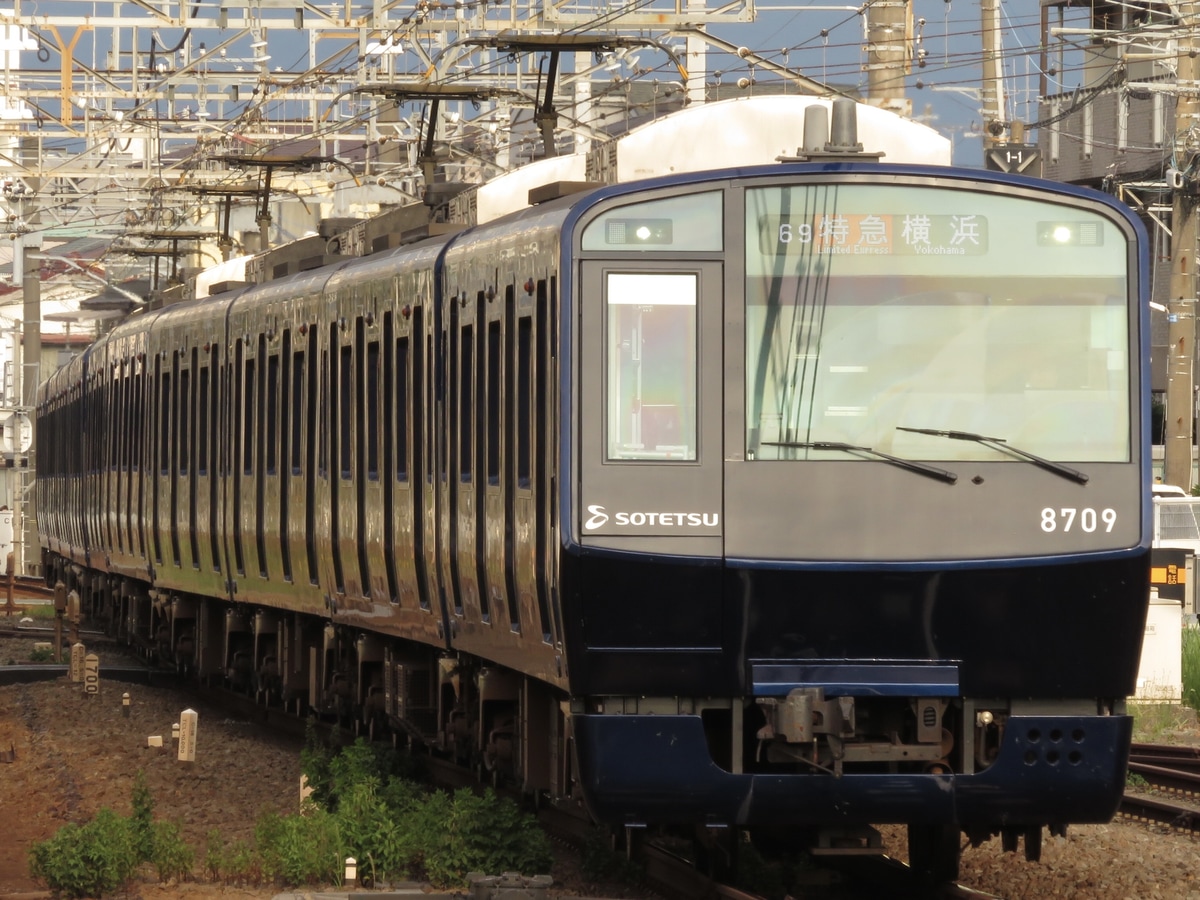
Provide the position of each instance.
(880, 315)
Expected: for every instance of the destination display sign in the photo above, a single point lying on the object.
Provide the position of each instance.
(870, 234)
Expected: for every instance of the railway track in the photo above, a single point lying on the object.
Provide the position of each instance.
(25, 588)
(1165, 789)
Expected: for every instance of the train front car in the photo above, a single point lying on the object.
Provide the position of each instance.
(857, 526)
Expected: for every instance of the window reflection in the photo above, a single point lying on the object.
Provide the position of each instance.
(651, 345)
(1014, 337)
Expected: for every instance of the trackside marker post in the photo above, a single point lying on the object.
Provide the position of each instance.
(188, 723)
(73, 617)
(78, 652)
(91, 675)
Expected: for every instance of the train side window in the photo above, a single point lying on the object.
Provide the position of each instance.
(319, 427)
(388, 422)
(402, 404)
(372, 402)
(202, 422)
(185, 420)
(445, 389)
(286, 388)
(126, 399)
(116, 426)
(312, 408)
(209, 451)
(264, 437)
(138, 424)
(466, 362)
(689, 222)
(297, 411)
(651, 351)
(493, 402)
(345, 411)
(191, 453)
(164, 424)
(240, 416)
(248, 397)
(285, 400)
(388, 382)
(272, 431)
(229, 392)
(524, 398)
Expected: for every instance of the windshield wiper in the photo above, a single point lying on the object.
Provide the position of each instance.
(1003, 446)
(911, 465)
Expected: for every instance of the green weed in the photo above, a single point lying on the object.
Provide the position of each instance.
(1155, 723)
(1191, 667)
(87, 860)
(171, 857)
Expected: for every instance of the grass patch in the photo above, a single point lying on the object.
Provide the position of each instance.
(40, 611)
(1156, 723)
(40, 655)
(1191, 667)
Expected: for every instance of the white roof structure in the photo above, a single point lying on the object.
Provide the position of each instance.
(747, 131)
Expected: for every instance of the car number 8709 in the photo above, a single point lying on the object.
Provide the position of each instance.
(1069, 518)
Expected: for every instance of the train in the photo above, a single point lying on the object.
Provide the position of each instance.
(785, 499)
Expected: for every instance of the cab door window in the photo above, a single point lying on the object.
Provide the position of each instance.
(651, 368)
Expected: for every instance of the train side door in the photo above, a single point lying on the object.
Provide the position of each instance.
(650, 405)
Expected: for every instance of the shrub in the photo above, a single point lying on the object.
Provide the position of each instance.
(370, 834)
(172, 858)
(300, 849)
(314, 763)
(485, 834)
(141, 820)
(392, 827)
(600, 862)
(216, 856)
(89, 860)
(356, 765)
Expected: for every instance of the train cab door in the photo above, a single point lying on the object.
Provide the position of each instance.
(651, 401)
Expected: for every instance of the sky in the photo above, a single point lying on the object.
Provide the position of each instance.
(826, 42)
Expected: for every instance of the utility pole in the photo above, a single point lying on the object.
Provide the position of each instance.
(1180, 413)
(888, 35)
(992, 95)
(31, 352)
(26, 373)
(697, 57)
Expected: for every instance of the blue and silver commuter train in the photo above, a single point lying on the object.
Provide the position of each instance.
(802, 497)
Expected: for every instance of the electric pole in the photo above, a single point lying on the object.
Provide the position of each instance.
(992, 95)
(26, 372)
(1181, 307)
(888, 35)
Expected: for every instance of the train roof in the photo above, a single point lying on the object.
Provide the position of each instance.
(746, 131)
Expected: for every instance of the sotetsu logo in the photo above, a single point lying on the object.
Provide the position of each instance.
(600, 517)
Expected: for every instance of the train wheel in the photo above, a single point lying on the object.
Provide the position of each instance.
(1033, 843)
(1010, 838)
(933, 852)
